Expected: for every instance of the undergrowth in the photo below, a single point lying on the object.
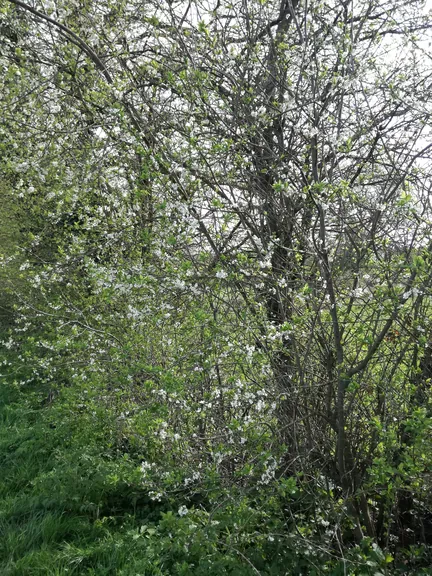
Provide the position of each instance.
(73, 501)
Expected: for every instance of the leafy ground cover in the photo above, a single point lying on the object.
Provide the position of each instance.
(73, 502)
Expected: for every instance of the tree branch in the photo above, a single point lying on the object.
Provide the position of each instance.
(73, 37)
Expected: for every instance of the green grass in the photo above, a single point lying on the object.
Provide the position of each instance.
(63, 509)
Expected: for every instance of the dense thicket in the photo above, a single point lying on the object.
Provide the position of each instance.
(217, 268)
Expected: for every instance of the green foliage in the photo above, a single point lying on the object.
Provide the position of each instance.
(11, 278)
(73, 499)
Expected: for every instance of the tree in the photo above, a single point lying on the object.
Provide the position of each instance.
(269, 161)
